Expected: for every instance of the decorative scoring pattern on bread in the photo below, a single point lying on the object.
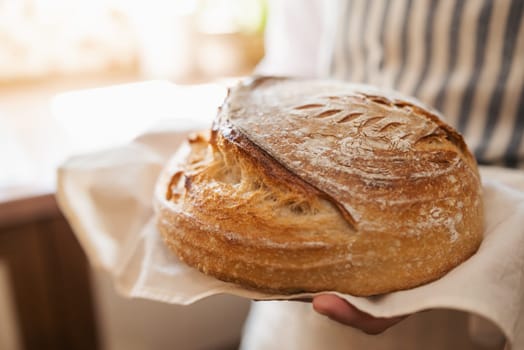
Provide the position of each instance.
(320, 185)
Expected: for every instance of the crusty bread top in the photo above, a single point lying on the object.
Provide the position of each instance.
(362, 149)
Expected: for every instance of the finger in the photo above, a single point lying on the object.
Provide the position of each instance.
(378, 325)
(336, 309)
(341, 311)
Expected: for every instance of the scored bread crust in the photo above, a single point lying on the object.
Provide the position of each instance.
(308, 185)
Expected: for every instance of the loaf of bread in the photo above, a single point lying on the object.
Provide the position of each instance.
(311, 185)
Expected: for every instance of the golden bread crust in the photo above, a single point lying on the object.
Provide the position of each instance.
(320, 185)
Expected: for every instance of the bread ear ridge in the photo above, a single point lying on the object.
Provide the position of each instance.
(224, 131)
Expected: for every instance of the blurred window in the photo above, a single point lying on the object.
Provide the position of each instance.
(177, 39)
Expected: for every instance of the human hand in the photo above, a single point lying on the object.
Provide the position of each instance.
(343, 312)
